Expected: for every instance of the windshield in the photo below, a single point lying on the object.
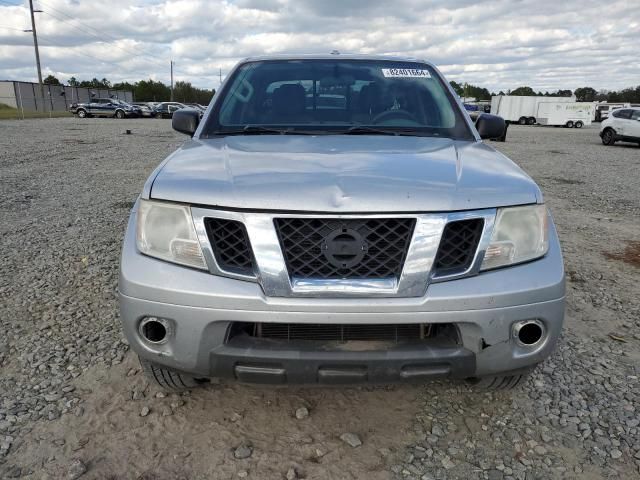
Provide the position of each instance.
(337, 96)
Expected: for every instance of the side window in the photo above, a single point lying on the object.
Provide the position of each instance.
(635, 115)
(622, 113)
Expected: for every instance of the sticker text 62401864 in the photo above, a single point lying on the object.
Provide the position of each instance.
(405, 73)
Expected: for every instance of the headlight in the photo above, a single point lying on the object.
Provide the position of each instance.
(166, 231)
(519, 234)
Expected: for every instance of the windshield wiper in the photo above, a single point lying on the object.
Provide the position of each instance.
(364, 130)
(261, 130)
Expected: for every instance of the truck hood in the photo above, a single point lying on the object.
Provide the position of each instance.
(342, 173)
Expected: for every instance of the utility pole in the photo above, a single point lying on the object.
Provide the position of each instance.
(35, 44)
(221, 76)
(172, 80)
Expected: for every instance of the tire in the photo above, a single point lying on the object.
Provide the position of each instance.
(531, 121)
(158, 115)
(609, 137)
(569, 124)
(168, 379)
(578, 124)
(120, 114)
(522, 121)
(81, 113)
(491, 384)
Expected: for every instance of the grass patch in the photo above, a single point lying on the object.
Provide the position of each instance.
(10, 113)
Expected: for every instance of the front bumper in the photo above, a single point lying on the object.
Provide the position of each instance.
(200, 307)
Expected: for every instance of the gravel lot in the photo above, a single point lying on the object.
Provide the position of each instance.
(73, 403)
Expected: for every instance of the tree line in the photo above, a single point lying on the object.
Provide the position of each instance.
(155, 91)
(145, 90)
(583, 94)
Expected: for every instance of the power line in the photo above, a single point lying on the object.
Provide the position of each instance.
(12, 28)
(103, 34)
(86, 30)
(112, 42)
(75, 51)
(90, 31)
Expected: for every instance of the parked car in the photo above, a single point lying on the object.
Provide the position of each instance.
(104, 107)
(146, 110)
(197, 106)
(166, 109)
(623, 125)
(291, 241)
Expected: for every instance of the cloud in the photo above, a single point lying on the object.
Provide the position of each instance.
(500, 44)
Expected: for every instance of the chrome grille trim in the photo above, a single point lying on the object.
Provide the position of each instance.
(273, 276)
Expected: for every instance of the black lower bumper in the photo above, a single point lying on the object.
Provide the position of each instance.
(264, 361)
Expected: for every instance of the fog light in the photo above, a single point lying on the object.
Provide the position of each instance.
(155, 330)
(529, 333)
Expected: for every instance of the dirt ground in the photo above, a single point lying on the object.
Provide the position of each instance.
(91, 414)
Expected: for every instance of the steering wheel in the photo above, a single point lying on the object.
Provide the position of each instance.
(390, 114)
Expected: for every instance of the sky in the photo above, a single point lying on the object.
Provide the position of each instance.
(497, 44)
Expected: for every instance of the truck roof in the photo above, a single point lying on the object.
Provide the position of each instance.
(334, 56)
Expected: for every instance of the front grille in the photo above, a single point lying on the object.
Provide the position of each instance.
(344, 248)
(230, 245)
(458, 246)
(341, 333)
(334, 332)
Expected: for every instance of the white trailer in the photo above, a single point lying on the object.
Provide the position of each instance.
(576, 114)
(603, 109)
(522, 109)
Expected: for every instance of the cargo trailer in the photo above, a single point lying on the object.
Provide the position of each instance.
(576, 114)
(522, 109)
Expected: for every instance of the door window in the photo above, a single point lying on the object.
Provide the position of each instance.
(622, 113)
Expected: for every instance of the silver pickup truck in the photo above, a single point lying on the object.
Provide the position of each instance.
(338, 219)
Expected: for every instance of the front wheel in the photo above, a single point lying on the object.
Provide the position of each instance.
(119, 114)
(158, 115)
(81, 113)
(499, 382)
(168, 379)
(608, 137)
(578, 124)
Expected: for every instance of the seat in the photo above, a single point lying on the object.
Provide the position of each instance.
(288, 103)
(368, 104)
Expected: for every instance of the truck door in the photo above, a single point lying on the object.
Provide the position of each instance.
(634, 124)
(111, 108)
(94, 106)
(621, 120)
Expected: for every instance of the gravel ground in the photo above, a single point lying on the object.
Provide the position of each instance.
(73, 403)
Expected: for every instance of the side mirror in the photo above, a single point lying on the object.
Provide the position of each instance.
(490, 126)
(185, 121)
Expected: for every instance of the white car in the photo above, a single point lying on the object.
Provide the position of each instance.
(622, 124)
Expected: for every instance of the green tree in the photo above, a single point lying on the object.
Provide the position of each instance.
(585, 94)
(51, 80)
(563, 93)
(528, 91)
(73, 82)
(457, 88)
(151, 91)
(479, 93)
(95, 83)
(187, 93)
(123, 86)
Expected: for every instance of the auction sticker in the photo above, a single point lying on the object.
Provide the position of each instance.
(405, 73)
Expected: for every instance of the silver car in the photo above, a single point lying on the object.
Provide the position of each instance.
(338, 219)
